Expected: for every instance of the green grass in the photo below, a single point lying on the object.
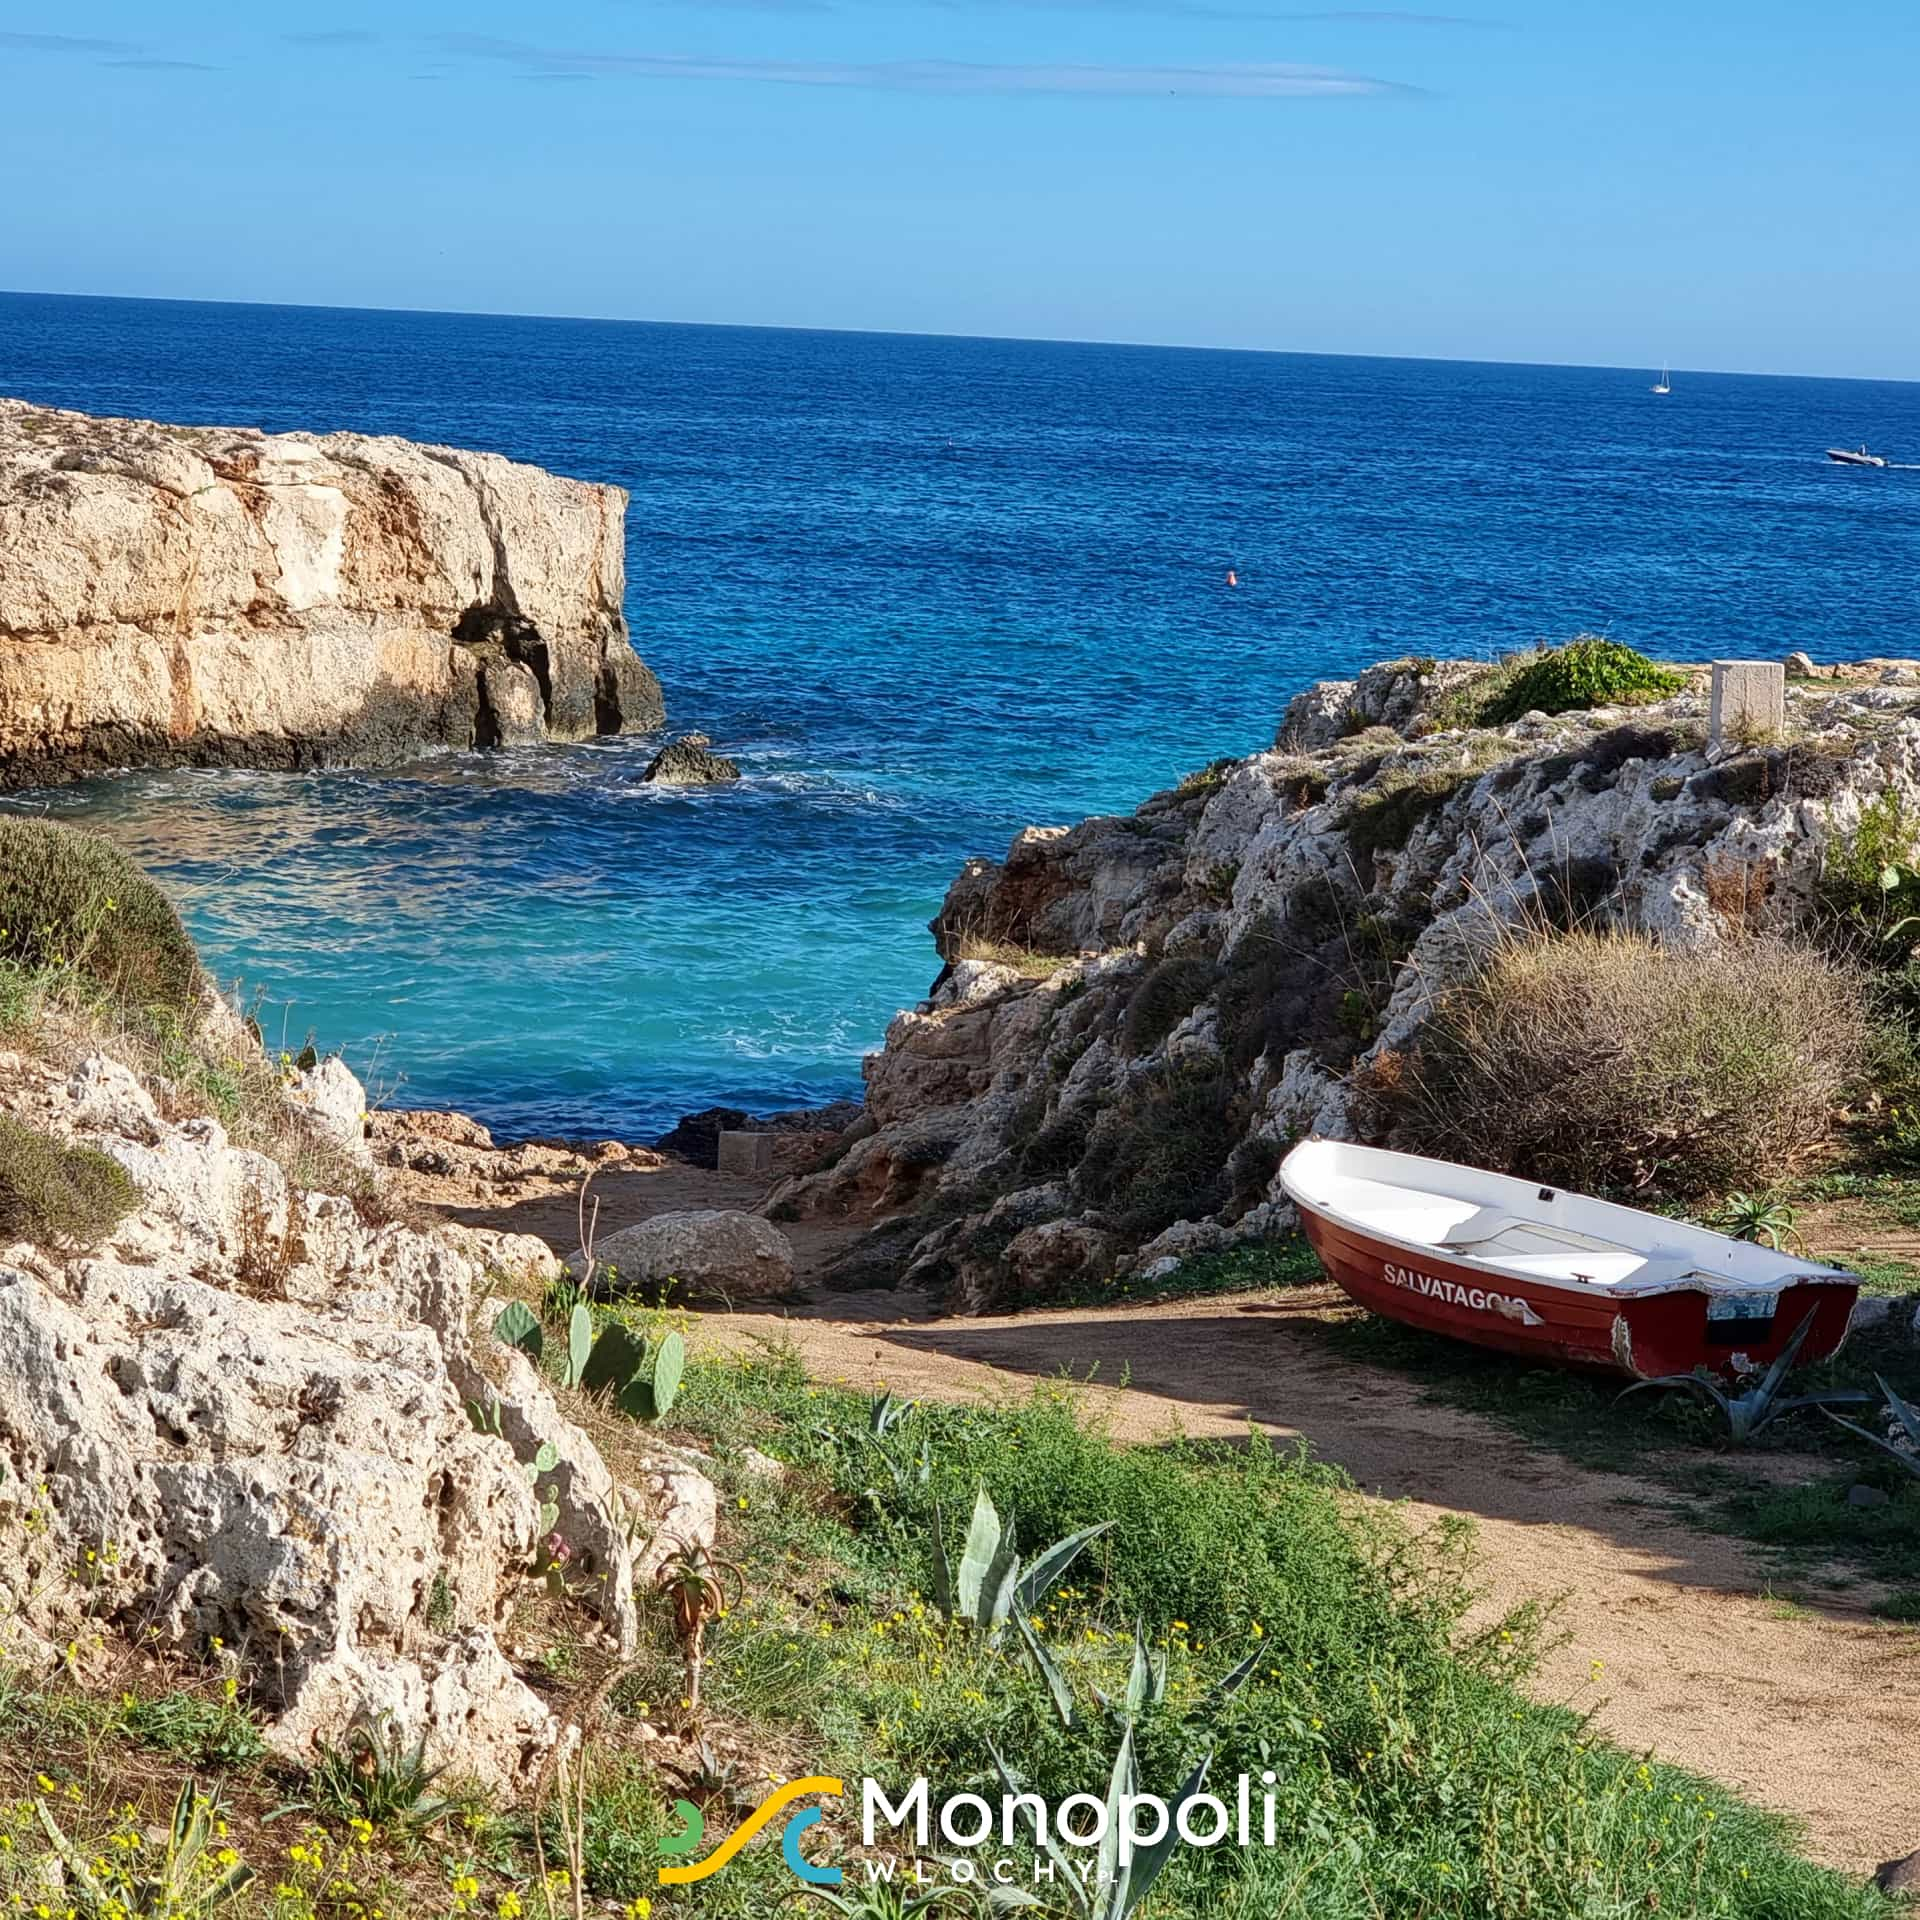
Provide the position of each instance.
(1410, 1773)
(1254, 1268)
(1412, 1777)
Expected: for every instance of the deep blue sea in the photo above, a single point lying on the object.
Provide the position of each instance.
(926, 590)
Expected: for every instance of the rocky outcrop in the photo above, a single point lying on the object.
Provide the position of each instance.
(256, 1425)
(690, 763)
(1239, 962)
(220, 596)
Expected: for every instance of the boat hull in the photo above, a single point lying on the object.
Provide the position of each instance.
(1644, 1335)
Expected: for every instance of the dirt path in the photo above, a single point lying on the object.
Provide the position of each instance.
(1815, 1716)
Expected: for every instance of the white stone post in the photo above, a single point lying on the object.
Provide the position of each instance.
(1749, 698)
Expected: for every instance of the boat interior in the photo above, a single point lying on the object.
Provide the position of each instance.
(1541, 1248)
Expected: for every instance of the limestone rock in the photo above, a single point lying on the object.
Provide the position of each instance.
(1870, 1310)
(1900, 1876)
(682, 763)
(1328, 892)
(712, 1255)
(336, 1103)
(220, 596)
(247, 1410)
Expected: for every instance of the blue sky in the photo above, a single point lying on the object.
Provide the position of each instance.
(1725, 185)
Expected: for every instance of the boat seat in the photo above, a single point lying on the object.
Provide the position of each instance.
(1542, 1247)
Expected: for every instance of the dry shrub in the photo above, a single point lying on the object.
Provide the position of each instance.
(1606, 1060)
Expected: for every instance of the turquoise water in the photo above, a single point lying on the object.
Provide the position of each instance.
(926, 591)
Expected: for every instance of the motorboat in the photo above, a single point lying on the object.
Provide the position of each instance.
(1856, 457)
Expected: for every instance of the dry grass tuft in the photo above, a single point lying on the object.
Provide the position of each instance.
(1025, 961)
(1605, 1060)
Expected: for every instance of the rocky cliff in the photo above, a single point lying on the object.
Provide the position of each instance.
(260, 1425)
(219, 596)
(1198, 984)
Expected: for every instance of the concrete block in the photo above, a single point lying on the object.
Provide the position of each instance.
(1749, 697)
(749, 1155)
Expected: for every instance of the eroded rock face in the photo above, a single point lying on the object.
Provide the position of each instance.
(1240, 958)
(219, 596)
(242, 1419)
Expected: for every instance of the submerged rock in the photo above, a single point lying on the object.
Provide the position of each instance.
(218, 596)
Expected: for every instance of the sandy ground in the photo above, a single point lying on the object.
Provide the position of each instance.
(1817, 1717)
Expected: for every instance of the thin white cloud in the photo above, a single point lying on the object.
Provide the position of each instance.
(61, 43)
(1267, 80)
(146, 65)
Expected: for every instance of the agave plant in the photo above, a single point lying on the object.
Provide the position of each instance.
(1146, 1682)
(1756, 1409)
(186, 1882)
(1902, 1416)
(378, 1774)
(882, 1900)
(990, 1586)
(888, 1452)
(1109, 1888)
(1767, 1218)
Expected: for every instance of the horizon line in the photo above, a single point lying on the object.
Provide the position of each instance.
(913, 333)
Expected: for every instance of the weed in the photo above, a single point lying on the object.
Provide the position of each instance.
(1160, 1153)
(203, 1732)
(1588, 671)
(377, 1775)
(1164, 998)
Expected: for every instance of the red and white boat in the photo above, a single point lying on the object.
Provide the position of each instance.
(1535, 1270)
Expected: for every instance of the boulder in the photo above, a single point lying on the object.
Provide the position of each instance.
(696, 1136)
(712, 1255)
(336, 1103)
(217, 596)
(1870, 1310)
(682, 764)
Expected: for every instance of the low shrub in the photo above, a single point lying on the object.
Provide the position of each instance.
(1587, 672)
(51, 1192)
(1164, 997)
(1384, 815)
(1159, 1153)
(71, 900)
(1605, 1060)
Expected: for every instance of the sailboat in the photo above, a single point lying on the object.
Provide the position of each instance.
(1665, 383)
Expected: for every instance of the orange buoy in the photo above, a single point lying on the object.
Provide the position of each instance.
(1233, 579)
